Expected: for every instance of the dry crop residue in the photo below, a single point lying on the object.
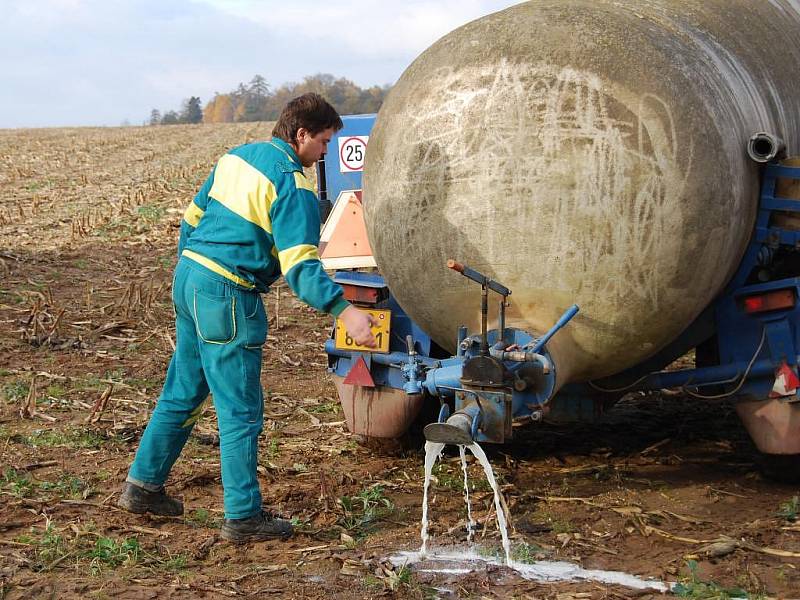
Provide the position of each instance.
(88, 227)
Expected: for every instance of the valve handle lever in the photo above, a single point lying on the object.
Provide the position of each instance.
(478, 277)
(562, 320)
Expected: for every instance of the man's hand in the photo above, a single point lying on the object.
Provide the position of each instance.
(358, 323)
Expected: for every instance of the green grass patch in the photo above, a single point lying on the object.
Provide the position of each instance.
(56, 391)
(373, 583)
(399, 579)
(448, 477)
(789, 509)
(108, 552)
(101, 475)
(148, 383)
(67, 486)
(91, 382)
(175, 563)
(273, 448)
(362, 511)
(494, 552)
(22, 485)
(151, 212)
(691, 586)
(202, 518)
(527, 553)
(325, 407)
(522, 552)
(36, 186)
(51, 548)
(15, 391)
(452, 477)
(100, 382)
(69, 438)
(16, 483)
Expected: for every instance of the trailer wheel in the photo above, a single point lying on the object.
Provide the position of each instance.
(774, 426)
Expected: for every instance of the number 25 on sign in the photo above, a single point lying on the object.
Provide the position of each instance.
(352, 151)
(381, 331)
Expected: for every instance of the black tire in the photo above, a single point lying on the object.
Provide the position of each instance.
(783, 468)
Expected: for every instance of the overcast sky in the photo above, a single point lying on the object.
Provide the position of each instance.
(104, 62)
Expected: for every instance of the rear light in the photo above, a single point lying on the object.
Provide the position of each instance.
(777, 300)
(364, 295)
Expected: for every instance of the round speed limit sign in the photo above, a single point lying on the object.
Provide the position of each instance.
(352, 151)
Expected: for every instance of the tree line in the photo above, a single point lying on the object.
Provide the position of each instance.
(257, 101)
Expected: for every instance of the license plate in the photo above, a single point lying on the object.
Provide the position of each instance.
(381, 332)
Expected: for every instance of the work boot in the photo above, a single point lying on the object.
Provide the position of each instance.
(138, 500)
(257, 528)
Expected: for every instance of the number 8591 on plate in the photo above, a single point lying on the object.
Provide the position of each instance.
(381, 331)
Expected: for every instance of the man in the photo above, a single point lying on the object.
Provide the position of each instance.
(255, 218)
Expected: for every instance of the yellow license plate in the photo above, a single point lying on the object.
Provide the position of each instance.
(380, 331)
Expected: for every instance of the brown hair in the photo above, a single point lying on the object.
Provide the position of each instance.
(310, 111)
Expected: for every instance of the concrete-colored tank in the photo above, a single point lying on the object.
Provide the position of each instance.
(581, 151)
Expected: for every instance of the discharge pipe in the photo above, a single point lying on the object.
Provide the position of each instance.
(460, 428)
(764, 147)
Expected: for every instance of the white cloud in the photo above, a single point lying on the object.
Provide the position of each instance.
(99, 62)
(363, 27)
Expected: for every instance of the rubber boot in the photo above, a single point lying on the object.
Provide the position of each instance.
(138, 500)
(257, 528)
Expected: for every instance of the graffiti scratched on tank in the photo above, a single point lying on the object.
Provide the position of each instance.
(593, 193)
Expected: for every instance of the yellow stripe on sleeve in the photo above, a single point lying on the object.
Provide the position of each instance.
(301, 182)
(243, 189)
(193, 214)
(295, 255)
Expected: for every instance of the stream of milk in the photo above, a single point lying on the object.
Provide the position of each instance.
(433, 450)
(470, 522)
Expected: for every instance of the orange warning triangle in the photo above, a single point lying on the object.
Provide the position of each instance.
(343, 241)
(359, 374)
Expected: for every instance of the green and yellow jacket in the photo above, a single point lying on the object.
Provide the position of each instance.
(257, 217)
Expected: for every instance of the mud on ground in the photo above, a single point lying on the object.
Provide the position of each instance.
(664, 487)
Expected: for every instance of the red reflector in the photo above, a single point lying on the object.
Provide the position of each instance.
(357, 293)
(754, 304)
(778, 300)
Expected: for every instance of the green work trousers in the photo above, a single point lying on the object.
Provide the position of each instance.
(220, 330)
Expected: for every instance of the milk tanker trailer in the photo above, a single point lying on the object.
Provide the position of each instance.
(605, 181)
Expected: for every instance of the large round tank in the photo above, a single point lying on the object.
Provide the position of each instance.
(581, 151)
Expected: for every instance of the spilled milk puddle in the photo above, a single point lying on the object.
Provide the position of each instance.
(456, 561)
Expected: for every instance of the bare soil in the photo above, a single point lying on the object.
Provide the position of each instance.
(88, 229)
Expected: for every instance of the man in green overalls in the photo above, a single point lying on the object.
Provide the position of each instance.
(256, 217)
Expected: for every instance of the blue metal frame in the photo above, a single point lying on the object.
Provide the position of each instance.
(336, 181)
(739, 333)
